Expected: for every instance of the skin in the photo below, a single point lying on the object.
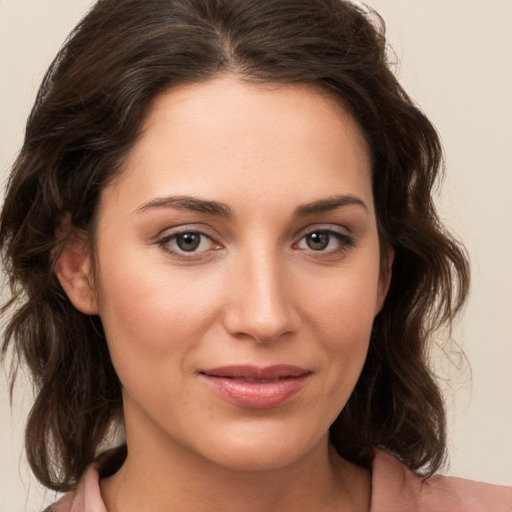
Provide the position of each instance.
(255, 291)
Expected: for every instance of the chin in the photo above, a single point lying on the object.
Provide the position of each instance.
(265, 450)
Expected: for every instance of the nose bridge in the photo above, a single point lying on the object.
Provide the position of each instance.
(260, 306)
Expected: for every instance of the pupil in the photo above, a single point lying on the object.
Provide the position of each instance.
(188, 241)
(317, 241)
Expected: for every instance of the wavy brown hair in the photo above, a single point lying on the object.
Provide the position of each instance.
(87, 116)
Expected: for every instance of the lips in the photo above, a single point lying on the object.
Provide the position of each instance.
(256, 387)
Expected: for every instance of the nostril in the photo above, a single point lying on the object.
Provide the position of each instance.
(259, 308)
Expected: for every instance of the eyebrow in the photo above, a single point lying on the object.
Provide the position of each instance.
(222, 210)
(188, 203)
(328, 204)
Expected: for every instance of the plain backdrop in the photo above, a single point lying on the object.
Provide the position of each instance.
(455, 60)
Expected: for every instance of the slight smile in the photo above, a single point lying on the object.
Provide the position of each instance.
(255, 387)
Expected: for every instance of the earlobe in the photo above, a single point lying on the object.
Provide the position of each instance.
(384, 279)
(74, 271)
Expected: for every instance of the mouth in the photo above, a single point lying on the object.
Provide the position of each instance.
(256, 387)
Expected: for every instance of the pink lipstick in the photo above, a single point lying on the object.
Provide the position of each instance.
(255, 387)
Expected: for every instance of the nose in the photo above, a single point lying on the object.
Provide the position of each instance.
(261, 304)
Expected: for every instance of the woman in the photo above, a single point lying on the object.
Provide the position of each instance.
(220, 234)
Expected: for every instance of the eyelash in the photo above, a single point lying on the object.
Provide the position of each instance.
(166, 241)
(345, 242)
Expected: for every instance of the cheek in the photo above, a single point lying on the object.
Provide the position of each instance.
(340, 315)
(147, 296)
(151, 314)
(344, 305)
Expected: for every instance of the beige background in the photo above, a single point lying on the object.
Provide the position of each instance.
(456, 61)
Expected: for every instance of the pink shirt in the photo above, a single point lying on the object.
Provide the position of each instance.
(395, 488)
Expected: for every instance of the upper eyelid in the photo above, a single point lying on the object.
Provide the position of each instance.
(171, 231)
(170, 236)
(333, 228)
(337, 234)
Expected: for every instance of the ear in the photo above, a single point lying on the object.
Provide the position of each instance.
(74, 271)
(384, 278)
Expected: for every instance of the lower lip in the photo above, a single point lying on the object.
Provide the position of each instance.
(256, 395)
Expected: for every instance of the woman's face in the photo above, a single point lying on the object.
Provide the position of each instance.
(237, 272)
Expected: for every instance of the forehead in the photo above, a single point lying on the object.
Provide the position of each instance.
(225, 137)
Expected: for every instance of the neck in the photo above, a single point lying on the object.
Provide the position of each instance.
(174, 479)
(162, 473)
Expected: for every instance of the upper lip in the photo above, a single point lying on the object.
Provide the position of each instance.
(278, 371)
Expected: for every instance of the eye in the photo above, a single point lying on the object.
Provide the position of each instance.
(187, 243)
(325, 240)
(318, 241)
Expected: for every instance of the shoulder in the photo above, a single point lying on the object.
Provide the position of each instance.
(87, 495)
(85, 498)
(395, 488)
